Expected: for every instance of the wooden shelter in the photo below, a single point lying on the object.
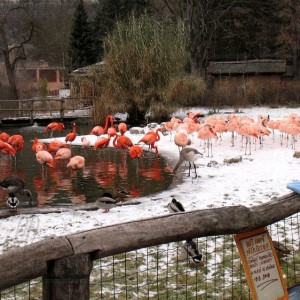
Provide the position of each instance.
(247, 67)
(248, 75)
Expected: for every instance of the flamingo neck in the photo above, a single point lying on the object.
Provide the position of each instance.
(157, 135)
(115, 141)
(106, 123)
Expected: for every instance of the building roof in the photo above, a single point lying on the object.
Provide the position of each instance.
(87, 70)
(264, 66)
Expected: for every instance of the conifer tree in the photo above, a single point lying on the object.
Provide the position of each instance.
(81, 47)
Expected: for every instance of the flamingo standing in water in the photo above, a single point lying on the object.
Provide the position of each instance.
(70, 137)
(76, 162)
(44, 158)
(122, 141)
(7, 149)
(63, 154)
(37, 145)
(16, 141)
(103, 142)
(54, 126)
(150, 138)
(55, 145)
(136, 152)
(4, 136)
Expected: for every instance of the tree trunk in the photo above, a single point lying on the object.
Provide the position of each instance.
(9, 70)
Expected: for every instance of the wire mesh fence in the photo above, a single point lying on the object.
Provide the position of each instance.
(166, 271)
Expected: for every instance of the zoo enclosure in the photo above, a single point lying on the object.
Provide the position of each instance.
(65, 262)
(51, 107)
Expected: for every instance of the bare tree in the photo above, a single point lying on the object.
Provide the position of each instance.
(16, 30)
(202, 19)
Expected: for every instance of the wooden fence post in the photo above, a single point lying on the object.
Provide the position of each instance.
(62, 113)
(68, 278)
(31, 111)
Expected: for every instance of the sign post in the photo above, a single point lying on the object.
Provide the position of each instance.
(261, 265)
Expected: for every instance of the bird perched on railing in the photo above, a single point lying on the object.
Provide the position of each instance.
(190, 246)
(14, 186)
(190, 155)
(106, 202)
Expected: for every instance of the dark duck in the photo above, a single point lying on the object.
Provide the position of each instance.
(15, 186)
(190, 246)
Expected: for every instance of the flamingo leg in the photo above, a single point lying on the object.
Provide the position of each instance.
(195, 170)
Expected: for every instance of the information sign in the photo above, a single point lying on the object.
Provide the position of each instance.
(261, 265)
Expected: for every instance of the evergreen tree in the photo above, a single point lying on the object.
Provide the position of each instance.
(81, 47)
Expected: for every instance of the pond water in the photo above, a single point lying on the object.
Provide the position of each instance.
(108, 170)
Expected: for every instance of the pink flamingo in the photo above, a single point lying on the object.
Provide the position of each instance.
(99, 130)
(85, 142)
(55, 145)
(181, 139)
(136, 152)
(4, 136)
(111, 130)
(122, 127)
(54, 126)
(122, 141)
(63, 154)
(37, 145)
(76, 162)
(103, 142)
(207, 133)
(44, 158)
(150, 138)
(70, 137)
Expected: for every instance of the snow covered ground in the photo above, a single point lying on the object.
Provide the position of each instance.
(256, 179)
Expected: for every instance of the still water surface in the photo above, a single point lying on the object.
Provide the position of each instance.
(105, 171)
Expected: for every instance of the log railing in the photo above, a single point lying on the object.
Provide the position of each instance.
(70, 257)
(36, 107)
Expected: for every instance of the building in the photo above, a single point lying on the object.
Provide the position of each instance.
(31, 74)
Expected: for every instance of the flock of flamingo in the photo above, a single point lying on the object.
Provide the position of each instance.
(207, 128)
(213, 127)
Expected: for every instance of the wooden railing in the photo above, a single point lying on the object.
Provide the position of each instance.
(41, 107)
(71, 256)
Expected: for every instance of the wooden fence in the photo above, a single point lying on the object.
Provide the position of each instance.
(71, 257)
(50, 107)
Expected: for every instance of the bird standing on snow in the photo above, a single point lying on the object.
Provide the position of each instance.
(190, 245)
(106, 202)
(188, 154)
(14, 185)
(175, 206)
